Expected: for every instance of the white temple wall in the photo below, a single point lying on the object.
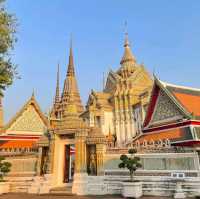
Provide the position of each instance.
(107, 124)
(156, 175)
(22, 165)
(158, 161)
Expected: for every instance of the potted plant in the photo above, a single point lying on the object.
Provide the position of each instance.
(131, 188)
(4, 168)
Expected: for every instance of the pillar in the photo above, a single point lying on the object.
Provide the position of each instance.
(79, 186)
(39, 161)
(80, 155)
(100, 150)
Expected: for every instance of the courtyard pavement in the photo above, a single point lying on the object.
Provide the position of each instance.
(30, 196)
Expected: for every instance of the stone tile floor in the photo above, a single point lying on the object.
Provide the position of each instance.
(30, 196)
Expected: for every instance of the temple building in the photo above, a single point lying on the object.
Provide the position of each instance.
(77, 150)
(68, 132)
(173, 116)
(23, 131)
(120, 108)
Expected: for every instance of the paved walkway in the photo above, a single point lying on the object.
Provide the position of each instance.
(30, 196)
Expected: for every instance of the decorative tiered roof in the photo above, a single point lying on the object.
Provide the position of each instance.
(173, 114)
(70, 90)
(128, 55)
(128, 61)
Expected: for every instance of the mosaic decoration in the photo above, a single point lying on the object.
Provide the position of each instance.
(165, 109)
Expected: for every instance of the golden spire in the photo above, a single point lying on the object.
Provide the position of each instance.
(57, 96)
(128, 56)
(70, 70)
(70, 90)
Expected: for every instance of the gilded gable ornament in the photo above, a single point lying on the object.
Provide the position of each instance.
(28, 121)
(165, 109)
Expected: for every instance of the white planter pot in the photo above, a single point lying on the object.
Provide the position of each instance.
(132, 189)
(4, 187)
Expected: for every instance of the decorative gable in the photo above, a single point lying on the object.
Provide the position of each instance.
(165, 110)
(111, 82)
(28, 121)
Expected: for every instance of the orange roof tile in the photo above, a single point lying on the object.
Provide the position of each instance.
(17, 144)
(190, 102)
(172, 134)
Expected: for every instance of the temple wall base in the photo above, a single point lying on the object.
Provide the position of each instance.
(88, 185)
(41, 185)
(80, 183)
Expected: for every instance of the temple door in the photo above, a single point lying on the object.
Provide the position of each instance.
(66, 163)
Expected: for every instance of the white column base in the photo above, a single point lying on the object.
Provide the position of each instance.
(41, 185)
(80, 183)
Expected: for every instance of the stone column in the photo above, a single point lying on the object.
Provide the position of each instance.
(80, 155)
(122, 120)
(39, 161)
(116, 119)
(80, 177)
(50, 161)
(127, 122)
(100, 150)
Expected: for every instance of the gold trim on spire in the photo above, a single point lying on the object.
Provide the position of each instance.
(70, 70)
(128, 56)
(70, 91)
(57, 96)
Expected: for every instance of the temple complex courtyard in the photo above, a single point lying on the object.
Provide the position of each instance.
(33, 196)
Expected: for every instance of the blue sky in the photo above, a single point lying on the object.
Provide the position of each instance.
(165, 36)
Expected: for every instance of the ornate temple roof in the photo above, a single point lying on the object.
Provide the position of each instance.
(128, 61)
(184, 99)
(70, 89)
(128, 55)
(172, 113)
(99, 99)
(189, 98)
(29, 119)
(71, 120)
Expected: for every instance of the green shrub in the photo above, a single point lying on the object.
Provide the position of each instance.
(131, 162)
(4, 167)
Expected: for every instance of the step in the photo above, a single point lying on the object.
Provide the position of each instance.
(65, 190)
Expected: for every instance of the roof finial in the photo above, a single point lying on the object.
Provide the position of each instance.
(33, 93)
(126, 42)
(57, 96)
(128, 56)
(70, 70)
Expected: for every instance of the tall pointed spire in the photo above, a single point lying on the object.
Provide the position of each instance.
(70, 70)
(57, 96)
(70, 95)
(55, 109)
(128, 56)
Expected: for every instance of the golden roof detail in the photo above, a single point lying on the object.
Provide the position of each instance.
(32, 105)
(70, 90)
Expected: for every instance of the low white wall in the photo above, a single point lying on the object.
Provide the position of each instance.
(155, 174)
(158, 161)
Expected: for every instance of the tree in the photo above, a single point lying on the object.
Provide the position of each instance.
(4, 167)
(131, 162)
(7, 39)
